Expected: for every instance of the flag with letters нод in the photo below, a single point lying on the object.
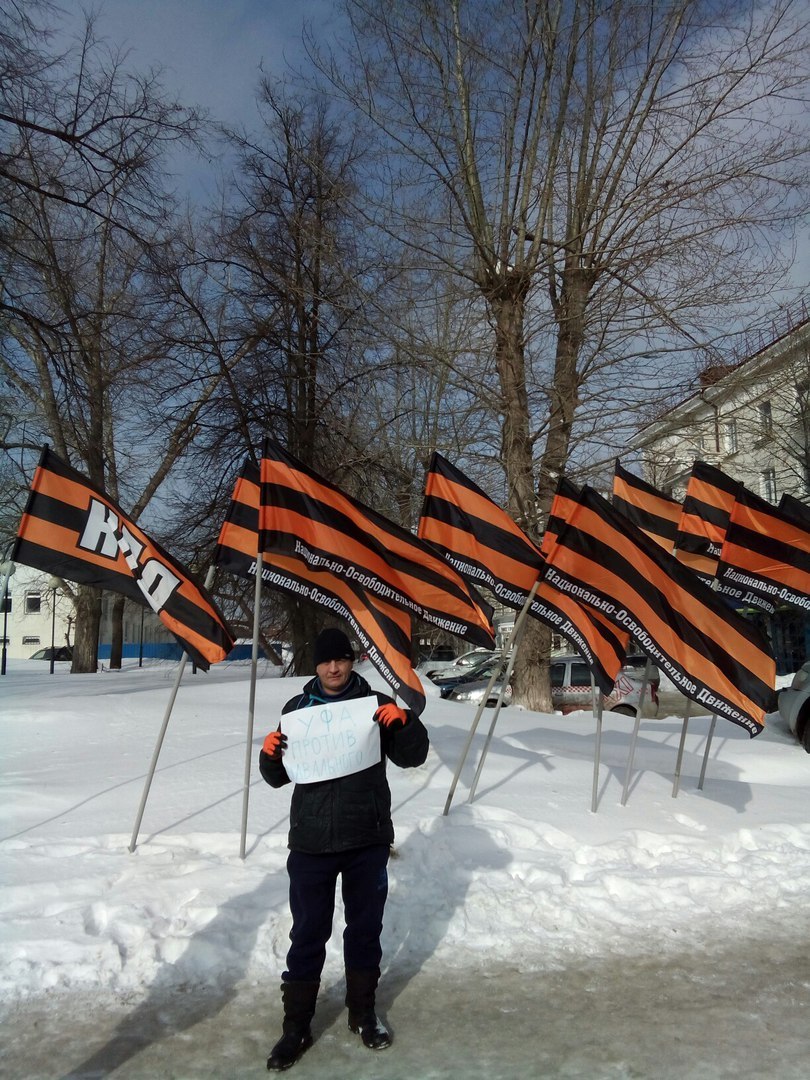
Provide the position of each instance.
(70, 528)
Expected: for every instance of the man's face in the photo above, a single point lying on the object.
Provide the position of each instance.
(334, 674)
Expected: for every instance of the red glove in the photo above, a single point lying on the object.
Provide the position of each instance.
(390, 716)
(274, 744)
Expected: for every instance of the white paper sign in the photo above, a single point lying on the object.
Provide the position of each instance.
(329, 740)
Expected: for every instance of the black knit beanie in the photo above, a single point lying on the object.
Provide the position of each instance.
(332, 644)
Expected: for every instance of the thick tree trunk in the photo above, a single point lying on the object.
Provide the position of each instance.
(516, 445)
(306, 622)
(88, 621)
(564, 391)
(117, 635)
(531, 682)
(534, 688)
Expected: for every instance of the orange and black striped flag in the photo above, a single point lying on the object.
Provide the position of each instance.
(72, 529)
(704, 518)
(712, 654)
(765, 560)
(649, 509)
(383, 631)
(607, 640)
(304, 516)
(562, 505)
(238, 542)
(486, 546)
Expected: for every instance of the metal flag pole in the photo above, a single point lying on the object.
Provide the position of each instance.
(709, 738)
(712, 725)
(514, 639)
(636, 726)
(598, 701)
(470, 737)
(254, 660)
(7, 570)
(481, 707)
(677, 781)
(156, 752)
(209, 579)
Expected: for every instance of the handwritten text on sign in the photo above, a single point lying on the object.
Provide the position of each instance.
(331, 740)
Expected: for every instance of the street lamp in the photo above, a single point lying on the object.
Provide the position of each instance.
(7, 568)
(53, 585)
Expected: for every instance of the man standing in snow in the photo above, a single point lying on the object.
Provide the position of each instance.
(340, 826)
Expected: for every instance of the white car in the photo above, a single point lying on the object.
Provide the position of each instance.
(570, 687)
(794, 706)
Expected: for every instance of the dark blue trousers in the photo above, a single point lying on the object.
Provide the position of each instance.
(313, 881)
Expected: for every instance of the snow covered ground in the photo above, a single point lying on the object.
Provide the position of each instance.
(525, 935)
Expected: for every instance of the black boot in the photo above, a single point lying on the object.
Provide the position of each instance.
(299, 1008)
(361, 987)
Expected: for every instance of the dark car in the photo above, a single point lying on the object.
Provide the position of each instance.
(60, 652)
(470, 684)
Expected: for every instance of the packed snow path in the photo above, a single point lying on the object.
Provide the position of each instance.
(738, 1012)
(525, 935)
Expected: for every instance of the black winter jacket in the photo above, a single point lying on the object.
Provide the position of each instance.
(348, 811)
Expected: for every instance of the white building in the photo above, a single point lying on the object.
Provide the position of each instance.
(41, 613)
(35, 614)
(749, 417)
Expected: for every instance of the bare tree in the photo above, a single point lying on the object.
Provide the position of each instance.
(88, 329)
(616, 175)
(73, 122)
(294, 275)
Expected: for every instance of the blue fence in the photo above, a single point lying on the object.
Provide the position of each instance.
(168, 650)
(161, 650)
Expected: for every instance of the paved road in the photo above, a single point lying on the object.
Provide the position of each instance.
(741, 1010)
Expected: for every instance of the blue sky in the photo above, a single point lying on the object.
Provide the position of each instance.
(210, 50)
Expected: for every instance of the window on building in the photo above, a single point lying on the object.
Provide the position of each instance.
(731, 437)
(33, 603)
(765, 418)
(29, 640)
(768, 481)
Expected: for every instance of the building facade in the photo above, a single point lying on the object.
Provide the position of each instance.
(36, 614)
(749, 417)
(39, 613)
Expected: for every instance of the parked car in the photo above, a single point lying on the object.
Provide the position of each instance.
(637, 665)
(794, 706)
(570, 688)
(459, 664)
(60, 652)
(470, 685)
(437, 656)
